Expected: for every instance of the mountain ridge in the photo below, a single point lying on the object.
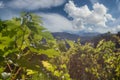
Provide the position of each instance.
(85, 37)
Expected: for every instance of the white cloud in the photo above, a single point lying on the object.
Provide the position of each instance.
(118, 27)
(115, 29)
(84, 17)
(55, 22)
(76, 12)
(1, 4)
(34, 4)
(90, 29)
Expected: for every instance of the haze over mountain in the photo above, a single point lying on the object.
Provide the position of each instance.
(84, 37)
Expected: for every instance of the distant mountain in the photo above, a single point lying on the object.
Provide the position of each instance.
(89, 34)
(85, 37)
(65, 35)
(84, 33)
(88, 37)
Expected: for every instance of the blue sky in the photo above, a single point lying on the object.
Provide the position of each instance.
(68, 15)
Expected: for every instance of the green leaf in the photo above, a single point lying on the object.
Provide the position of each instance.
(31, 72)
(49, 52)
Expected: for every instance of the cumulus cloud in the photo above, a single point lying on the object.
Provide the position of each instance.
(115, 29)
(1, 4)
(34, 4)
(84, 17)
(90, 29)
(56, 22)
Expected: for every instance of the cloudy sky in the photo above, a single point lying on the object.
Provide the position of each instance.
(68, 15)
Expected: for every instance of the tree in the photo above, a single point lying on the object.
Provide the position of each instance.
(21, 48)
(100, 63)
(118, 34)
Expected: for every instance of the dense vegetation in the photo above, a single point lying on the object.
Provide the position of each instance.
(29, 52)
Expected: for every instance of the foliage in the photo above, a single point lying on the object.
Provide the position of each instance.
(21, 39)
(100, 63)
(29, 52)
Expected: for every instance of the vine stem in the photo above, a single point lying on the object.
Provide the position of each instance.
(17, 72)
(9, 67)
